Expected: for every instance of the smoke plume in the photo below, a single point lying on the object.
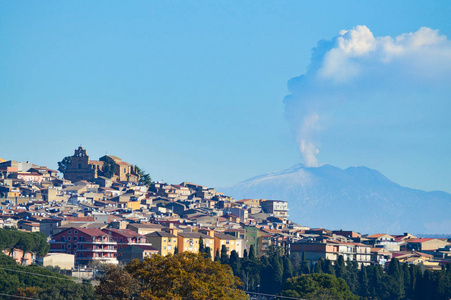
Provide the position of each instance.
(356, 76)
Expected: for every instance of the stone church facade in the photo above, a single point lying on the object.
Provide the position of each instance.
(81, 168)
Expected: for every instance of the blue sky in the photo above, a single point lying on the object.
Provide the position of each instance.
(194, 91)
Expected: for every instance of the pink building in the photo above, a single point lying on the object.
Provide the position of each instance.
(88, 245)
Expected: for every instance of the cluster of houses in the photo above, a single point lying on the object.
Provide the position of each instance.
(89, 218)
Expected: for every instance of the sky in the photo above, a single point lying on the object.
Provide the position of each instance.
(215, 92)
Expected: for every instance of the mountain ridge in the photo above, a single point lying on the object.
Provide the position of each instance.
(357, 198)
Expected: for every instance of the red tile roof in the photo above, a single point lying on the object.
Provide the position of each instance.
(91, 231)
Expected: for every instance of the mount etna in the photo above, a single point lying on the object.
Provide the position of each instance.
(356, 198)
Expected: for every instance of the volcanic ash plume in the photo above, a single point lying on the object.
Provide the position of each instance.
(356, 76)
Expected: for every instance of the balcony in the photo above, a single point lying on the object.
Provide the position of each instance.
(98, 242)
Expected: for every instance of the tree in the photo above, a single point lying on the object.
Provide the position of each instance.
(224, 255)
(364, 285)
(183, 276)
(318, 286)
(109, 167)
(64, 164)
(201, 245)
(252, 254)
(116, 283)
(144, 178)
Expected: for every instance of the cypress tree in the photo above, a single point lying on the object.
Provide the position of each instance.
(252, 254)
(364, 285)
(224, 256)
(245, 253)
(234, 262)
(319, 266)
(340, 267)
(328, 268)
(394, 270)
(217, 257)
(288, 269)
(201, 245)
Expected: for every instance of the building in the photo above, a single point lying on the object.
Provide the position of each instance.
(87, 244)
(126, 237)
(331, 250)
(425, 245)
(81, 168)
(62, 260)
(163, 241)
(189, 241)
(277, 208)
(230, 242)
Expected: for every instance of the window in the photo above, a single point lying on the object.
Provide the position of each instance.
(68, 238)
(75, 238)
(82, 239)
(75, 231)
(68, 246)
(164, 240)
(63, 239)
(63, 246)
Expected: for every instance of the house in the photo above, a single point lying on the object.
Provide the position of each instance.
(380, 256)
(277, 208)
(28, 226)
(164, 242)
(230, 242)
(145, 228)
(425, 245)
(62, 260)
(18, 255)
(331, 250)
(126, 237)
(189, 241)
(88, 245)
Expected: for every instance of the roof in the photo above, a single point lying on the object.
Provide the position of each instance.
(377, 235)
(160, 234)
(419, 240)
(123, 232)
(223, 236)
(90, 231)
(194, 235)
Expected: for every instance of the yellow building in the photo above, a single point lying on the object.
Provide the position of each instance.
(189, 241)
(227, 240)
(133, 205)
(164, 242)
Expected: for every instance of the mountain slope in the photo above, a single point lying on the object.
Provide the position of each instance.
(356, 198)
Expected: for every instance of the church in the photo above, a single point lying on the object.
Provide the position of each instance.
(81, 168)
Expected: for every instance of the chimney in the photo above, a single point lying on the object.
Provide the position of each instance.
(173, 231)
(211, 233)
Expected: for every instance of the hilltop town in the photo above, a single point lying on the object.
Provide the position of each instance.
(109, 211)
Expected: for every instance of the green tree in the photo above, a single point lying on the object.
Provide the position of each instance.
(224, 256)
(144, 178)
(109, 167)
(364, 285)
(318, 286)
(201, 245)
(64, 164)
(252, 254)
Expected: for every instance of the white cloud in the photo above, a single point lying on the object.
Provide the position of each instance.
(355, 66)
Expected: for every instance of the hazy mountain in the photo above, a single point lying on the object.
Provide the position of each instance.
(356, 198)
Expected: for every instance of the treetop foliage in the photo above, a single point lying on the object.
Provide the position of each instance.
(181, 276)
